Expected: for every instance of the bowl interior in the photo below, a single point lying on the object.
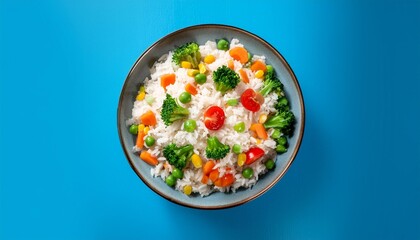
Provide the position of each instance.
(201, 34)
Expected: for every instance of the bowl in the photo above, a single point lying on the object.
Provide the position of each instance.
(201, 34)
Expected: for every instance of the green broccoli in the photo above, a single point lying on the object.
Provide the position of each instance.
(188, 52)
(282, 104)
(215, 149)
(225, 79)
(178, 156)
(284, 121)
(271, 83)
(172, 111)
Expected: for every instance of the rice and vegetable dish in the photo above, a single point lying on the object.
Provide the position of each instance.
(211, 118)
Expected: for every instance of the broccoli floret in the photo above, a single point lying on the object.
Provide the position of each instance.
(215, 149)
(282, 104)
(284, 121)
(225, 79)
(271, 83)
(188, 52)
(172, 111)
(178, 156)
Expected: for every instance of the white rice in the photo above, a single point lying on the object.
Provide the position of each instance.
(207, 96)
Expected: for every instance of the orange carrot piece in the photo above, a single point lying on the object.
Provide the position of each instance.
(205, 179)
(260, 130)
(148, 158)
(167, 79)
(244, 76)
(214, 175)
(191, 89)
(208, 167)
(231, 65)
(258, 65)
(140, 139)
(218, 182)
(240, 54)
(148, 118)
(227, 180)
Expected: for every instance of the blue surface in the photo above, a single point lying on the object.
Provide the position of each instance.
(63, 174)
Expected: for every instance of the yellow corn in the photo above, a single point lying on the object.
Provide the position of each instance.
(141, 127)
(192, 72)
(241, 159)
(146, 130)
(209, 59)
(186, 64)
(259, 74)
(259, 141)
(262, 118)
(202, 68)
(196, 160)
(187, 189)
(140, 96)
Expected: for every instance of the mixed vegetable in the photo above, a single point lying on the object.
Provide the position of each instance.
(225, 78)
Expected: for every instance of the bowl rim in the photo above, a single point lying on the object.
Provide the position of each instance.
(300, 133)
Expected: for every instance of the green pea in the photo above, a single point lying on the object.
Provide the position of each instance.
(239, 127)
(236, 148)
(282, 140)
(281, 149)
(249, 57)
(276, 134)
(185, 97)
(134, 129)
(270, 69)
(170, 181)
(149, 141)
(200, 78)
(248, 173)
(190, 125)
(222, 44)
(269, 164)
(177, 173)
(232, 102)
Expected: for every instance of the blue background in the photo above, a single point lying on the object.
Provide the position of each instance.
(63, 174)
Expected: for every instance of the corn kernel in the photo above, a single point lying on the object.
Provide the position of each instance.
(146, 130)
(259, 74)
(209, 59)
(141, 127)
(241, 159)
(186, 64)
(259, 141)
(202, 68)
(196, 160)
(140, 96)
(262, 118)
(187, 189)
(192, 72)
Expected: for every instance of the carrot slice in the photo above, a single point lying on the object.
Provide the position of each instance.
(231, 65)
(244, 76)
(167, 79)
(240, 54)
(205, 179)
(191, 89)
(208, 167)
(148, 118)
(258, 65)
(218, 182)
(148, 158)
(214, 175)
(140, 139)
(227, 180)
(260, 130)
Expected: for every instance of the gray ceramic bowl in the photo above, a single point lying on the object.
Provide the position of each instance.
(200, 34)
